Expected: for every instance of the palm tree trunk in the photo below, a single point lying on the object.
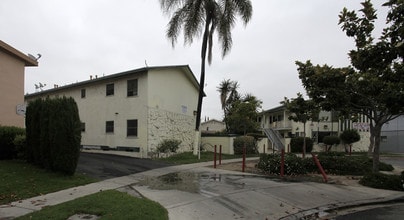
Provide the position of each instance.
(197, 149)
(202, 77)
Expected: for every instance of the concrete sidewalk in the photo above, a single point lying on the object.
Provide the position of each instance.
(195, 191)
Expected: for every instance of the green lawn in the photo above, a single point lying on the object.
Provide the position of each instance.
(188, 157)
(20, 180)
(109, 204)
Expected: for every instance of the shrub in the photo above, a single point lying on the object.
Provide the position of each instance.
(32, 124)
(20, 144)
(168, 146)
(348, 137)
(383, 181)
(271, 163)
(296, 144)
(331, 154)
(249, 142)
(343, 165)
(65, 135)
(54, 134)
(330, 141)
(7, 136)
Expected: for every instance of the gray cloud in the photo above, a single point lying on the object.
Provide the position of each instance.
(80, 38)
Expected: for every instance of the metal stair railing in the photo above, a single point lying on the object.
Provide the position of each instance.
(275, 138)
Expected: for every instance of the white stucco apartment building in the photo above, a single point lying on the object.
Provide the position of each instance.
(276, 121)
(135, 110)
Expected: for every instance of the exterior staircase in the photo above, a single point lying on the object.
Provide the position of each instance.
(275, 138)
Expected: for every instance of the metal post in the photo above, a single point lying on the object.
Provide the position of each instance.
(220, 155)
(214, 158)
(282, 162)
(350, 149)
(320, 167)
(244, 151)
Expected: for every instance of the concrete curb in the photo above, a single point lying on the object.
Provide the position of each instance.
(327, 210)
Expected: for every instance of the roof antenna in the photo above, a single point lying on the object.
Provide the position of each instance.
(145, 63)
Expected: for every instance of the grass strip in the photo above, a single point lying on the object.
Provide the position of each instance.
(110, 204)
(20, 180)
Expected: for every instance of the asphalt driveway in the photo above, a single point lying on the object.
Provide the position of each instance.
(107, 166)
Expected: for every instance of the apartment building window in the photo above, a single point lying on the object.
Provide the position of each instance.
(131, 127)
(132, 87)
(110, 89)
(83, 127)
(83, 93)
(109, 126)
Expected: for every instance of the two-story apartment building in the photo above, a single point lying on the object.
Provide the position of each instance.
(12, 70)
(136, 109)
(275, 123)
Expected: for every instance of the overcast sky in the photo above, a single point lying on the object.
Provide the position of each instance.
(79, 38)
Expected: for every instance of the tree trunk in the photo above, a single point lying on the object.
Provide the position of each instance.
(304, 139)
(201, 85)
(202, 78)
(371, 140)
(377, 129)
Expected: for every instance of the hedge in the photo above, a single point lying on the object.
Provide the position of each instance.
(249, 142)
(332, 163)
(54, 134)
(7, 147)
(296, 144)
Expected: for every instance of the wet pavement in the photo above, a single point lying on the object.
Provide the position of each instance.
(196, 191)
(207, 193)
(104, 166)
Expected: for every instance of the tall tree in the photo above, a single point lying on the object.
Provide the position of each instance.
(241, 116)
(205, 16)
(301, 111)
(228, 94)
(373, 86)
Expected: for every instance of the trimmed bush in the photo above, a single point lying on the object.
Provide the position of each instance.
(65, 135)
(330, 141)
(296, 145)
(249, 142)
(54, 134)
(33, 128)
(331, 154)
(271, 163)
(20, 144)
(168, 146)
(348, 137)
(7, 136)
(383, 181)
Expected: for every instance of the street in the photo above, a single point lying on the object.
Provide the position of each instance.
(106, 166)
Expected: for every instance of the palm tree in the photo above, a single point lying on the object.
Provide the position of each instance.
(228, 94)
(194, 17)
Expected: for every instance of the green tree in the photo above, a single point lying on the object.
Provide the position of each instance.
(228, 94)
(348, 137)
(206, 17)
(373, 85)
(242, 114)
(330, 141)
(301, 111)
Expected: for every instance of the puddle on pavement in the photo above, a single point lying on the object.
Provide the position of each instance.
(188, 182)
(183, 181)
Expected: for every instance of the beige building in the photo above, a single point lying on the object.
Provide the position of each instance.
(212, 126)
(12, 68)
(135, 110)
